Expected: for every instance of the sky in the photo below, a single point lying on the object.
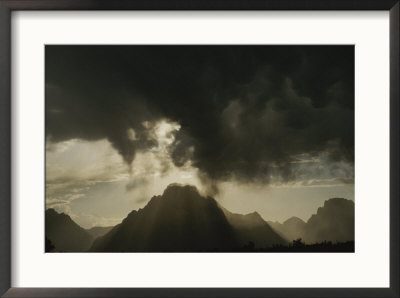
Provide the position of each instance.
(260, 128)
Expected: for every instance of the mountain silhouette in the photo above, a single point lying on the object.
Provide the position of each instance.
(98, 231)
(180, 220)
(64, 234)
(333, 222)
(252, 228)
(291, 229)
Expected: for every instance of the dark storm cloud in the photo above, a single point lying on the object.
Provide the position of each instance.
(245, 112)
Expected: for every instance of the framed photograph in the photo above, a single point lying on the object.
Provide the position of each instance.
(199, 149)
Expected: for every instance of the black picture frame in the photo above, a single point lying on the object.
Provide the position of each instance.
(8, 6)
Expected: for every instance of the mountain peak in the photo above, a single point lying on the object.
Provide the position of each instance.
(334, 221)
(293, 220)
(337, 202)
(60, 229)
(176, 189)
(178, 220)
(256, 216)
(51, 210)
(180, 195)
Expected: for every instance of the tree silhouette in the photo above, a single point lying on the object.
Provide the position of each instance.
(298, 243)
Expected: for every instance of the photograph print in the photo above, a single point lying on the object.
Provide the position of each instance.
(199, 148)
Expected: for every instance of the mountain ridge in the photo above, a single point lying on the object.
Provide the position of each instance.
(178, 220)
(334, 221)
(64, 233)
(182, 220)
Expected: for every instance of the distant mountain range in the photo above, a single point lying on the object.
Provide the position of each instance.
(332, 222)
(291, 229)
(252, 229)
(98, 231)
(64, 235)
(181, 220)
